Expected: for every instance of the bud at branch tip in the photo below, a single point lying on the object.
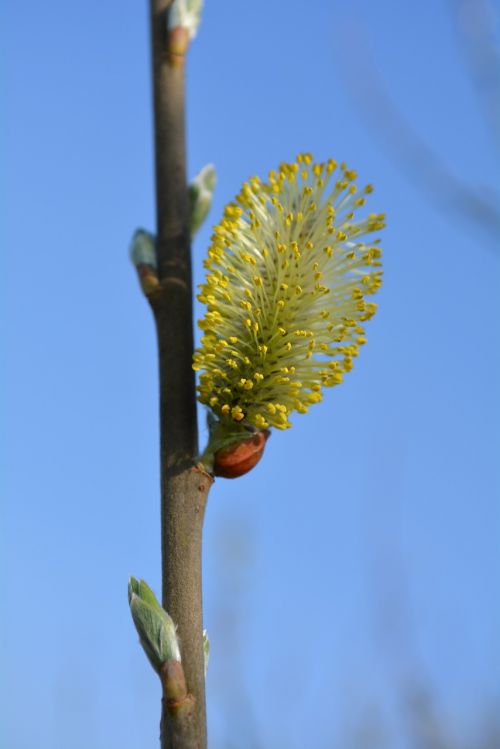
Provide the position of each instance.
(183, 21)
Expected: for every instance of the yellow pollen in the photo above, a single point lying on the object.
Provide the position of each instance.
(287, 292)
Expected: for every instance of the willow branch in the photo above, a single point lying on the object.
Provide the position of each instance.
(184, 487)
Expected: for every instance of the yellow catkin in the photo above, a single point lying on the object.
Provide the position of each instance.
(288, 274)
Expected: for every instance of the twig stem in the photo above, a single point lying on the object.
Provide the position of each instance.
(184, 487)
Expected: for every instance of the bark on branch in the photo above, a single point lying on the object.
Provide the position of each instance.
(184, 486)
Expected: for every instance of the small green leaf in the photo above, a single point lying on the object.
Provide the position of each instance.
(156, 629)
(142, 589)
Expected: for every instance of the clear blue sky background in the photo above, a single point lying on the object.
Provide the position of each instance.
(363, 553)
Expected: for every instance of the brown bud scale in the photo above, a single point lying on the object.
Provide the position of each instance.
(240, 457)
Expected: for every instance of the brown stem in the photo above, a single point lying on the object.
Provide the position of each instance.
(184, 486)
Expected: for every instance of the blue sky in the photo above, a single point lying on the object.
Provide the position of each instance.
(362, 553)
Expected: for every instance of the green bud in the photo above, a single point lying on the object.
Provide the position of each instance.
(143, 248)
(185, 14)
(156, 629)
(201, 191)
(206, 649)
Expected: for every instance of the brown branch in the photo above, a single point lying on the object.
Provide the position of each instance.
(184, 487)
